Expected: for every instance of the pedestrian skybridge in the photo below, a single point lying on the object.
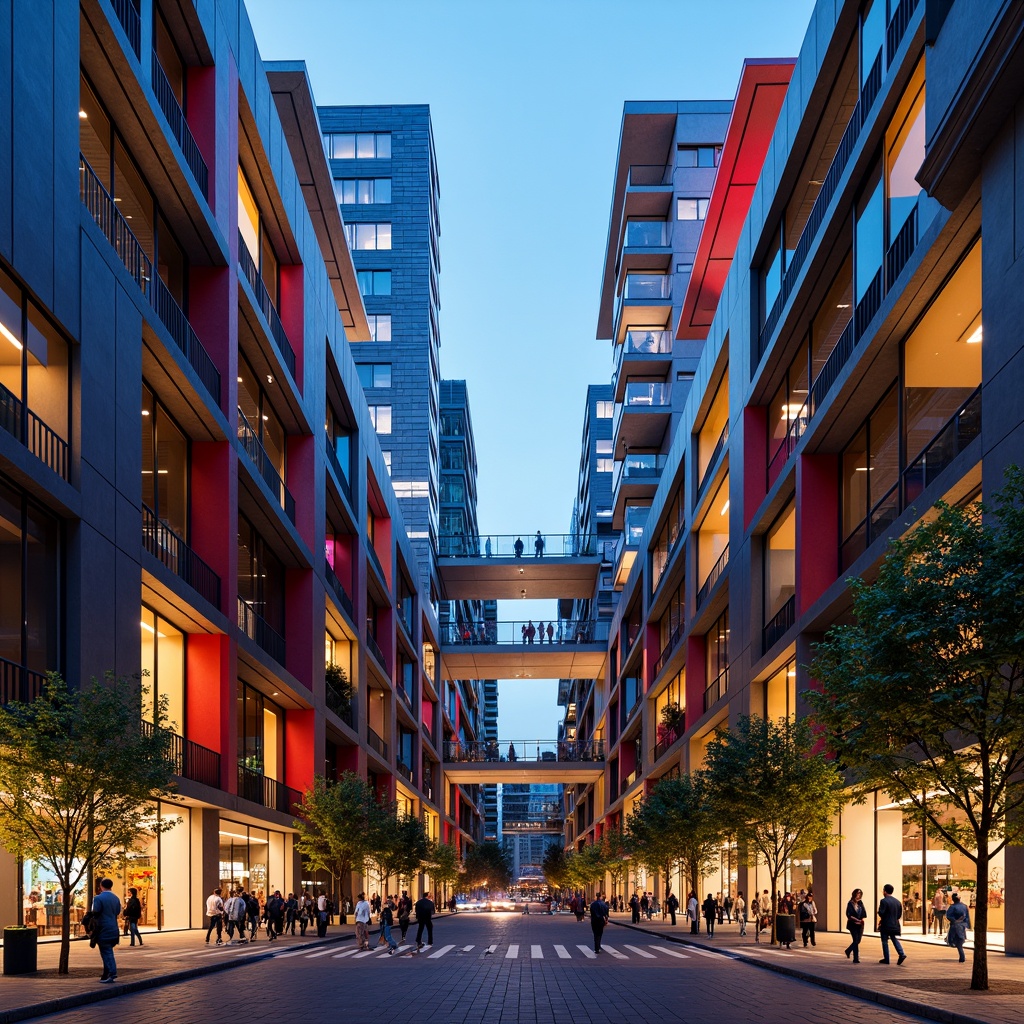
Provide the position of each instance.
(523, 761)
(524, 649)
(516, 566)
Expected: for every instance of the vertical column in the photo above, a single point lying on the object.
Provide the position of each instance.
(817, 535)
(205, 860)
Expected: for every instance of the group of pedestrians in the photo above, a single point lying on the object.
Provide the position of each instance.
(394, 910)
(242, 913)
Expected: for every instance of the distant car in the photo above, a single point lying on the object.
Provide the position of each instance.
(501, 903)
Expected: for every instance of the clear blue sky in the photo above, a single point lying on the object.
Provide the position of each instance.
(526, 101)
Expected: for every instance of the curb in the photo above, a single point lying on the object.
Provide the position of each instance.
(77, 999)
(892, 1002)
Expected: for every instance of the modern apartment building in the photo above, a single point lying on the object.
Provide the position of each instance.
(853, 303)
(191, 481)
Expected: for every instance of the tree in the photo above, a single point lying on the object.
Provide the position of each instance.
(487, 864)
(615, 855)
(336, 824)
(79, 774)
(923, 694)
(679, 822)
(554, 867)
(780, 796)
(443, 863)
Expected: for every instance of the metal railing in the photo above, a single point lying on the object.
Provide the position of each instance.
(510, 751)
(170, 548)
(648, 234)
(868, 305)
(253, 447)
(191, 760)
(897, 28)
(781, 623)
(376, 744)
(18, 420)
(18, 682)
(646, 395)
(512, 545)
(723, 440)
(716, 689)
(267, 792)
(131, 21)
(100, 204)
(954, 436)
(339, 472)
(543, 632)
(374, 648)
(338, 589)
(175, 116)
(671, 646)
(655, 342)
(266, 305)
(713, 577)
(639, 468)
(404, 770)
(340, 705)
(902, 248)
(257, 629)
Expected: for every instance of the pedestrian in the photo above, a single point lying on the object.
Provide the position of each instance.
(106, 909)
(634, 907)
(720, 908)
(538, 545)
(645, 905)
(305, 909)
(959, 918)
(518, 547)
(710, 909)
(362, 922)
(598, 919)
(512, 752)
(274, 913)
(740, 906)
(808, 918)
(215, 914)
(487, 548)
(540, 631)
(424, 910)
(856, 915)
(755, 910)
(890, 910)
(551, 633)
(132, 913)
(672, 904)
(404, 911)
(387, 919)
(291, 912)
(728, 904)
(531, 631)
(323, 913)
(234, 915)
(939, 911)
(693, 913)
(252, 912)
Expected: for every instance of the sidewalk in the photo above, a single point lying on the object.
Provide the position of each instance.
(930, 984)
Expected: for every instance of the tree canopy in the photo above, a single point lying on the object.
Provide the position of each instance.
(922, 696)
(487, 864)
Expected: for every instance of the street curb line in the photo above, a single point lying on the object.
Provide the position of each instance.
(868, 995)
(77, 999)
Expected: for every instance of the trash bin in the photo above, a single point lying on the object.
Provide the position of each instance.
(20, 950)
(785, 927)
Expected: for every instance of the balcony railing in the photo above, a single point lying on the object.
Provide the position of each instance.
(780, 624)
(716, 690)
(723, 440)
(516, 545)
(713, 577)
(340, 705)
(649, 175)
(376, 744)
(254, 786)
(374, 648)
(191, 760)
(339, 472)
(170, 548)
(630, 779)
(639, 287)
(671, 646)
(496, 751)
(520, 631)
(179, 127)
(648, 234)
(29, 430)
(638, 468)
(266, 304)
(956, 434)
(98, 201)
(868, 305)
(338, 589)
(647, 395)
(253, 447)
(18, 682)
(131, 21)
(897, 28)
(648, 343)
(404, 770)
(257, 629)
(902, 248)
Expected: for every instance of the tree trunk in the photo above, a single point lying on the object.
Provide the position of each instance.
(65, 932)
(979, 967)
(774, 876)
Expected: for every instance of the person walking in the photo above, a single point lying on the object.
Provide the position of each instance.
(323, 913)
(424, 910)
(215, 913)
(808, 918)
(132, 913)
(645, 905)
(362, 922)
(890, 910)
(252, 912)
(106, 909)
(404, 912)
(693, 913)
(234, 916)
(634, 909)
(387, 919)
(757, 912)
(710, 909)
(939, 911)
(291, 912)
(959, 917)
(672, 905)
(275, 912)
(598, 919)
(728, 904)
(740, 907)
(856, 915)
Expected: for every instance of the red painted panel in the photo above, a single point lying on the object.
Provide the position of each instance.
(348, 758)
(755, 442)
(214, 533)
(205, 707)
(213, 314)
(300, 642)
(695, 660)
(817, 533)
(201, 86)
(293, 314)
(299, 733)
(301, 462)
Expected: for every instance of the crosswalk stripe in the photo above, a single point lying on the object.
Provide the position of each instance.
(364, 953)
(511, 953)
(587, 952)
(466, 949)
(614, 952)
(671, 952)
(641, 952)
(441, 952)
(323, 952)
(536, 953)
(491, 948)
(709, 954)
(563, 953)
(284, 956)
(348, 952)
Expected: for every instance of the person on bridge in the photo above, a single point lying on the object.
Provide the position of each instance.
(487, 547)
(538, 545)
(531, 631)
(518, 547)
(551, 633)
(598, 919)
(512, 752)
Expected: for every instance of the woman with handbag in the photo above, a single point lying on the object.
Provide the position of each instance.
(855, 918)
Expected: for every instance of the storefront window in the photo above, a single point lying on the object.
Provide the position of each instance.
(251, 858)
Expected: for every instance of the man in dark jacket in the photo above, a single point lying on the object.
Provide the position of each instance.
(634, 908)
(598, 919)
(890, 910)
(424, 910)
(106, 909)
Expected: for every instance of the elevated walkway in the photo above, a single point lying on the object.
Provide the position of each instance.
(523, 761)
(509, 568)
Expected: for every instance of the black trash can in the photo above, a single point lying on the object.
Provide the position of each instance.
(785, 927)
(20, 950)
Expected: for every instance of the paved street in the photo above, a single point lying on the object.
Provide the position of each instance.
(492, 969)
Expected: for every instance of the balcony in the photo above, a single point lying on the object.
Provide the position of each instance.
(649, 191)
(339, 472)
(257, 629)
(716, 690)
(780, 624)
(642, 353)
(98, 201)
(636, 476)
(897, 27)
(19, 683)
(175, 116)
(128, 15)
(376, 744)
(404, 771)
(374, 648)
(247, 265)
(713, 577)
(253, 447)
(166, 545)
(191, 760)
(671, 646)
(646, 245)
(30, 431)
(254, 786)
(642, 416)
(338, 590)
(644, 300)
(340, 705)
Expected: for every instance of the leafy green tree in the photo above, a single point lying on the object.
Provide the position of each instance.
(778, 793)
(336, 825)
(487, 864)
(554, 867)
(79, 774)
(614, 847)
(443, 863)
(922, 696)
